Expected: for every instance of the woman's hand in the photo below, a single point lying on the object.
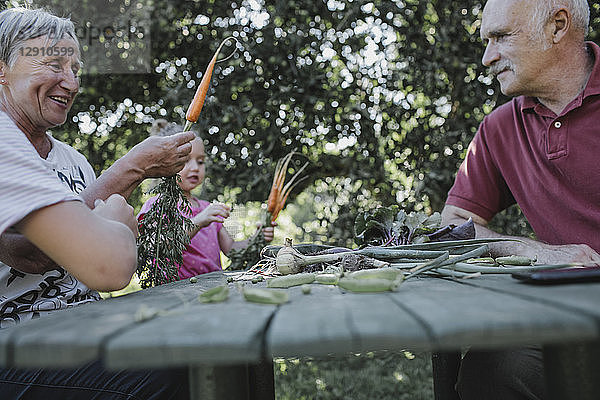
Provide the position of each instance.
(116, 208)
(216, 212)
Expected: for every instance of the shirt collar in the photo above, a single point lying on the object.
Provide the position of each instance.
(591, 88)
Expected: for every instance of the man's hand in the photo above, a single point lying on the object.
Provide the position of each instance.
(568, 253)
(543, 253)
(116, 208)
(162, 156)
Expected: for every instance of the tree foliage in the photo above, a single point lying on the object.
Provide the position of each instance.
(381, 97)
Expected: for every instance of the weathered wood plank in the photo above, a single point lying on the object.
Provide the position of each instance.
(459, 314)
(74, 336)
(429, 314)
(579, 297)
(326, 321)
(230, 332)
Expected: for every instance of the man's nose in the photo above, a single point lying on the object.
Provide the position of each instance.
(490, 55)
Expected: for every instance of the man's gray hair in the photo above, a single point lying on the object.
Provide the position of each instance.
(544, 9)
(17, 25)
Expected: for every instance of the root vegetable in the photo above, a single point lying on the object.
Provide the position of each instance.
(193, 111)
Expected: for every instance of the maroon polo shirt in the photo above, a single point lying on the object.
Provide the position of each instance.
(548, 164)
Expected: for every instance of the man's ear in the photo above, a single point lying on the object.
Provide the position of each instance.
(561, 24)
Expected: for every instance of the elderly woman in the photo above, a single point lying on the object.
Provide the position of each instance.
(39, 66)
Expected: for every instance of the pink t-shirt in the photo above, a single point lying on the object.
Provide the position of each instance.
(203, 254)
(549, 164)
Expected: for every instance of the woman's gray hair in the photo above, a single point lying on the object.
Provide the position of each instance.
(19, 24)
(543, 10)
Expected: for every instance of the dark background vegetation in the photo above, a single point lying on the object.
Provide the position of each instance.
(381, 97)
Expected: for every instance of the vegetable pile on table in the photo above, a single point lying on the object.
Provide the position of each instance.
(393, 246)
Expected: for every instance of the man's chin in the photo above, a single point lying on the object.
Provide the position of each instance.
(508, 90)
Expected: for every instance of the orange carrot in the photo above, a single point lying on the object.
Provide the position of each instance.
(274, 193)
(280, 190)
(193, 111)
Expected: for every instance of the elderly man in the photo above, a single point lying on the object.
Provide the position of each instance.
(540, 151)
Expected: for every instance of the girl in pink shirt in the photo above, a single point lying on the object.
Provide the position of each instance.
(208, 237)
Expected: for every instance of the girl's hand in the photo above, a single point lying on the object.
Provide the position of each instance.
(216, 212)
(268, 232)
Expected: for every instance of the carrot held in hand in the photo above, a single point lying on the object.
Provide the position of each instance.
(193, 111)
(279, 189)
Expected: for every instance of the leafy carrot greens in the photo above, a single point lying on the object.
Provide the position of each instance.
(392, 226)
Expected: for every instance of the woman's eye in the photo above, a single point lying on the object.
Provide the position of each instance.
(55, 66)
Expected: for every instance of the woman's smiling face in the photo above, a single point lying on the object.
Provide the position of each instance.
(39, 89)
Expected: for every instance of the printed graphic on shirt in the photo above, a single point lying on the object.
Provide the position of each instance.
(56, 290)
(73, 177)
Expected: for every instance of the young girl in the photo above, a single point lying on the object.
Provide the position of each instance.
(209, 237)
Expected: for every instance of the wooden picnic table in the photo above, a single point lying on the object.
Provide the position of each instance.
(229, 346)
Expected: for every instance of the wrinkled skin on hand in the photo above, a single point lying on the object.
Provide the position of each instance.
(162, 156)
(568, 253)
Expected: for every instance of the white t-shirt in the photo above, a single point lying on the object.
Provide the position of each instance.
(28, 183)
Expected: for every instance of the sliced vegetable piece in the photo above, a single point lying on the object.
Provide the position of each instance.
(390, 274)
(214, 295)
(369, 285)
(327, 279)
(287, 281)
(265, 296)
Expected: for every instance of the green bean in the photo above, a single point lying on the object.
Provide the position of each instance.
(265, 296)
(327, 279)
(368, 285)
(390, 274)
(515, 260)
(287, 281)
(214, 295)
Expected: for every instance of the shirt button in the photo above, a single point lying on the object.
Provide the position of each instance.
(557, 124)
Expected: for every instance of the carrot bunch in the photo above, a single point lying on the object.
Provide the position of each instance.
(193, 111)
(279, 189)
